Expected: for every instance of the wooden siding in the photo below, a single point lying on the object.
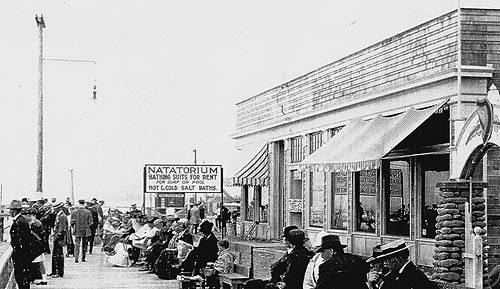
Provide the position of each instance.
(426, 50)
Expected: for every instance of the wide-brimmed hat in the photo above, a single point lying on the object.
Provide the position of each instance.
(376, 252)
(16, 204)
(494, 276)
(392, 249)
(330, 242)
(58, 205)
(206, 227)
(296, 237)
(287, 229)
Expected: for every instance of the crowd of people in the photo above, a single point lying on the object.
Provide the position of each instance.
(327, 266)
(166, 246)
(37, 223)
(172, 248)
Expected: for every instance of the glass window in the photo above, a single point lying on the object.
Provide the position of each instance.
(365, 189)
(339, 200)
(397, 196)
(297, 150)
(435, 169)
(264, 204)
(315, 141)
(317, 200)
(250, 212)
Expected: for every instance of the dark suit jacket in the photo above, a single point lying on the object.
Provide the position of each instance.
(207, 251)
(81, 220)
(19, 239)
(292, 266)
(343, 270)
(61, 229)
(410, 278)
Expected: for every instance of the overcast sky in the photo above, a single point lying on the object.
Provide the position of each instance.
(168, 76)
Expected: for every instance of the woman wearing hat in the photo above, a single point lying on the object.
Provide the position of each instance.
(340, 270)
(290, 269)
(207, 248)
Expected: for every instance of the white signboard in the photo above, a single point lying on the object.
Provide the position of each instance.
(183, 179)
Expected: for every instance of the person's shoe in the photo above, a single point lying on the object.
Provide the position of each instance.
(51, 274)
(83, 260)
(76, 261)
(55, 276)
(41, 283)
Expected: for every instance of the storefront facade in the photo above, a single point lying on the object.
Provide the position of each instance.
(357, 146)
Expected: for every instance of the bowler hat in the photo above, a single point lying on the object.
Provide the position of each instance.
(330, 242)
(206, 227)
(494, 277)
(394, 248)
(296, 237)
(16, 204)
(287, 229)
(81, 201)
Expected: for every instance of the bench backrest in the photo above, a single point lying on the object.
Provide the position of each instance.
(242, 270)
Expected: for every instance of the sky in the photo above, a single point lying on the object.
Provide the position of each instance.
(168, 76)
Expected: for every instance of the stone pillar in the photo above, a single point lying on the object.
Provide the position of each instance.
(450, 233)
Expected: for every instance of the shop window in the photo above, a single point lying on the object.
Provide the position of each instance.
(315, 141)
(365, 192)
(264, 204)
(297, 151)
(250, 201)
(317, 200)
(339, 200)
(434, 169)
(397, 196)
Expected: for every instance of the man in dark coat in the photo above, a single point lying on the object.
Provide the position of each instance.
(21, 245)
(291, 268)
(81, 220)
(340, 270)
(60, 235)
(95, 223)
(207, 248)
(403, 273)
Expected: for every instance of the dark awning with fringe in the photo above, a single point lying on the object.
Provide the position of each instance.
(361, 144)
(255, 172)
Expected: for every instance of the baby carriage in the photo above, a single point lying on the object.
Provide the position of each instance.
(110, 241)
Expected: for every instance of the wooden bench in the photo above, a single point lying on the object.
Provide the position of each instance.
(243, 266)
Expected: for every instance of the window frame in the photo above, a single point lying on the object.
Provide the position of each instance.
(315, 141)
(296, 149)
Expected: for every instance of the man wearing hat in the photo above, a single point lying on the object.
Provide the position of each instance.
(403, 273)
(291, 267)
(81, 220)
(340, 270)
(60, 235)
(312, 272)
(207, 248)
(21, 257)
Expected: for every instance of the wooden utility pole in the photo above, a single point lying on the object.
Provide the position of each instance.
(39, 188)
(72, 189)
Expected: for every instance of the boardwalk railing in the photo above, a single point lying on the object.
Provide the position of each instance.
(6, 270)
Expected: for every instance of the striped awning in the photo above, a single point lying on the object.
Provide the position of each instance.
(361, 144)
(255, 172)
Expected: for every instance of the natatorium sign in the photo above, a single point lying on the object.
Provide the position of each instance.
(183, 179)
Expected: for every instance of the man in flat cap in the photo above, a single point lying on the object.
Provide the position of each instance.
(81, 220)
(60, 235)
